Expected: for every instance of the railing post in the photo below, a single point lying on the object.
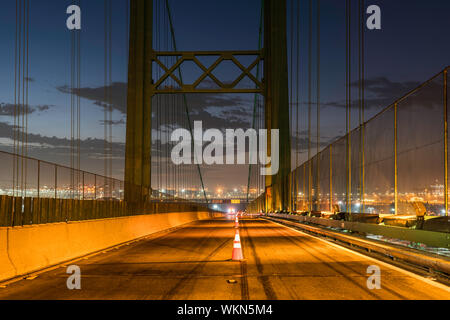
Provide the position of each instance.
(445, 143)
(363, 169)
(82, 195)
(38, 179)
(294, 188)
(309, 185)
(318, 198)
(349, 173)
(331, 178)
(304, 186)
(56, 181)
(395, 159)
(297, 181)
(297, 176)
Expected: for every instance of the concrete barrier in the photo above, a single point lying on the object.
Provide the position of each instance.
(30, 248)
(411, 256)
(430, 238)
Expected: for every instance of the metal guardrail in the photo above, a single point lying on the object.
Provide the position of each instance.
(415, 258)
(394, 163)
(44, 192)
(18, 211)
(43, 179)
(430, 238)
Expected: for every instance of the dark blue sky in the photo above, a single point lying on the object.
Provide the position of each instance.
(411, 47)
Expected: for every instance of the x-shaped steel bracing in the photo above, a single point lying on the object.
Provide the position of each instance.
(158, 87)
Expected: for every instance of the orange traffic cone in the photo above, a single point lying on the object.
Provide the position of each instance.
(236, 222)
(237, 250)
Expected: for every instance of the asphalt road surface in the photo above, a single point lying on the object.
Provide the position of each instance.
(193, 263)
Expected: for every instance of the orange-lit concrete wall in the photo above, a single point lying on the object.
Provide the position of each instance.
(30, 248)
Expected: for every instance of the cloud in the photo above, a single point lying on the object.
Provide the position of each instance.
(380, 92)
(300, 143)
(9, 109)
(216, 110)
(43, 108)
(61, 145)
(112, 122)
(118, 91)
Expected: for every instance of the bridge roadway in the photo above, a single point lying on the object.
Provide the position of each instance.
(193, 262)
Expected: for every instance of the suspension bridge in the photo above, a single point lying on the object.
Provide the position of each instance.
(376, 195)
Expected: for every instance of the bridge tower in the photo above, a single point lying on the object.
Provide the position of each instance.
(277, 100)
(139, 101)
(141, 88)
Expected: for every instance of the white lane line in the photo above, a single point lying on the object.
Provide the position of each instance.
(408, 273)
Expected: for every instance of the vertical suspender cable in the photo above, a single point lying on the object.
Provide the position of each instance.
(158, 100)
(348, 107)
(362, 99)
(360, 106)
(107, 110)
(79, 182)
(297, 133)
(346, 98)
(291, 86)
(105, 91)
(110, 122)
(19, 111)
(309, 106)
(166, 111)
(318, 104)
(22, 104)
(172, 30)
(75, 118)
(72, 97)
(255, 101)
(14, 131)
(27, 13)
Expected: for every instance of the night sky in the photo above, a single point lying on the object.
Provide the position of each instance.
(411, 47)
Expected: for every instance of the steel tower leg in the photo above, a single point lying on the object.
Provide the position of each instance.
(139, 108)
(277, 100)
